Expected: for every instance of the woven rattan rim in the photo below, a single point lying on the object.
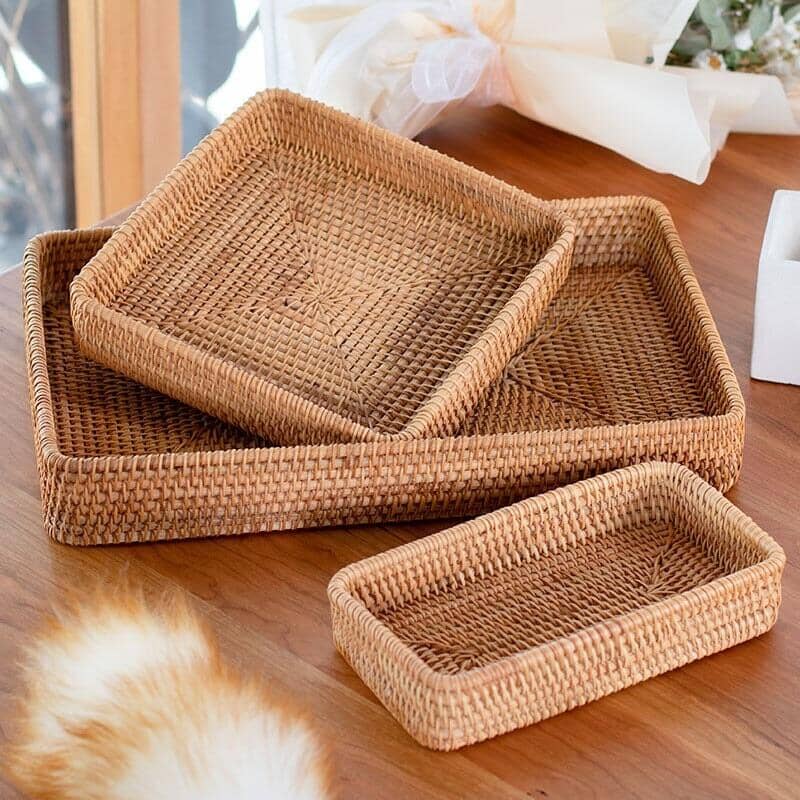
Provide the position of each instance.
(104, 333)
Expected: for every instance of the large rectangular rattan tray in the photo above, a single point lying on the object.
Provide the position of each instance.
(561, 599)
(626, 367)
(313, 278)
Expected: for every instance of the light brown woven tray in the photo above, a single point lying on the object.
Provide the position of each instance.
(313, 278)
(119, 463)
(537, 608)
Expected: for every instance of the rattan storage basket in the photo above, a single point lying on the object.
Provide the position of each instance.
(120, 463)
(556, 601)
(313, 278)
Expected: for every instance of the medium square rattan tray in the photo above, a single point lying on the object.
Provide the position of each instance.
(561, 599)
(120, 463)
(313, 278)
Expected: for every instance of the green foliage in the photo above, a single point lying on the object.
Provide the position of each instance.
(715, 23)
(691, 43)
(712, 14)
(732, 59)
(759, 19)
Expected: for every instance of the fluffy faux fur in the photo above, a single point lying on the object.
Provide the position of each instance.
(126, 702)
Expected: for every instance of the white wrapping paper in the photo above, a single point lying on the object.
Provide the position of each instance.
(593, 68)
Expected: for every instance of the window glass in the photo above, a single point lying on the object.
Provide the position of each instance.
(36, 191)
(222, 62)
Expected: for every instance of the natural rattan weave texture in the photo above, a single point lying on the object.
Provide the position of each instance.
(559, 600)
(313, 278)
(120, 463)
(95, 411)
(619, 344)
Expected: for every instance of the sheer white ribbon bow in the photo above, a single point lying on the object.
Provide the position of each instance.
(442, 50)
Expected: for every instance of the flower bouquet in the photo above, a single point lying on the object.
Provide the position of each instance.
(758, 36)
(660, 81)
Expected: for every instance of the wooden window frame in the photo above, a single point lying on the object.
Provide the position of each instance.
(125, 93)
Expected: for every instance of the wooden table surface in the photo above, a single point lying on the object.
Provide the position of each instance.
(727, 726)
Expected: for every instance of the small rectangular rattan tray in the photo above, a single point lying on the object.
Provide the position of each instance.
(561, 599)
(314, 279)
(629, 334)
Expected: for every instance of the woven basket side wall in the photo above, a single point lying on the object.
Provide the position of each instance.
(612, 231)
(707, 518)
(60, 256)
(465, 192)
(504, 539)
(49, 264)
(35, 292)
(184, 495)
(684, 300)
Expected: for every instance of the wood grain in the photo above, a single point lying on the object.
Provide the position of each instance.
(125, 95)
(159, 61)
(87, 155)
(728, 726)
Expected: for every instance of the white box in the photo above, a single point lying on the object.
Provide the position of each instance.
(776, 325)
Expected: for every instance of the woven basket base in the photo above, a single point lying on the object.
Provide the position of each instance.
(606, 353)
(97, 412)
(521, 608)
